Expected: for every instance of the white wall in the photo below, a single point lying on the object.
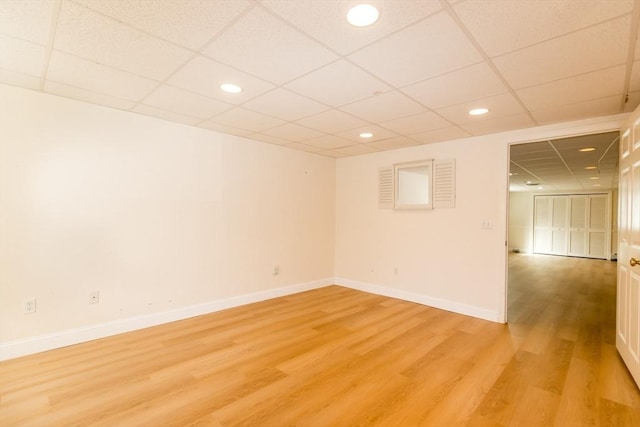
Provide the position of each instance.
(442, 256)
(155, 215)
(521, 221)
(167, 220)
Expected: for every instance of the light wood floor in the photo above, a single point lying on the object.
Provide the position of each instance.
(339, 357)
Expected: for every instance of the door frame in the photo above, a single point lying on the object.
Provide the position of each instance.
(550, 132)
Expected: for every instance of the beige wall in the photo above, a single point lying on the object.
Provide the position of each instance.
(155, 215)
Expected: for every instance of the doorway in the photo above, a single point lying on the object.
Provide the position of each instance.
(562, 171)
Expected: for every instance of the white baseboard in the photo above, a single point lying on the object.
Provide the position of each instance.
(443, 304)
(23, 347)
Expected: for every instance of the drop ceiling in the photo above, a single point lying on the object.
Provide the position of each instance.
(581, 163)
(313, 82)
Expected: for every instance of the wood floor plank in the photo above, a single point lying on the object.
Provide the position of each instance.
(340, 357)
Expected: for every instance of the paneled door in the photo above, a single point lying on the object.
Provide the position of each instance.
(628, 297)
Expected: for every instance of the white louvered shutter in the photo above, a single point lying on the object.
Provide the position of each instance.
(444, 183)
(385, 188)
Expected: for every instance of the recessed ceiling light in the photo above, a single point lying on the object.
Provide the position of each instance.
(366, 135)
(362, 15)
(540, 187)
(584, 150)
(596, 185)
(478, 111)
(230, 88)
(594, 177)
(591, 167)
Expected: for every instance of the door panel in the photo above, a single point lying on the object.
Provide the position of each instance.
(559, 225)
(578, 225)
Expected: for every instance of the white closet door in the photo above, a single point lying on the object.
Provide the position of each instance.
(578, 225)
(575, 225)
(559, 226)
(598, 226)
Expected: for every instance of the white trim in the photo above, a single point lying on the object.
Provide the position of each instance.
(23, 347)
(443, 304)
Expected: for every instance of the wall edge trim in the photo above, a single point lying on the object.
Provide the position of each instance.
(37, 344)
(448, 305)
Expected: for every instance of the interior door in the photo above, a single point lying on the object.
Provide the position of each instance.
(628, 297)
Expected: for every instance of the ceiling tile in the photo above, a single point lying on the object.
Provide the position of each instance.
(424, 50)
(633, 102)
(576, 111)
(204, 76)
(504, 26)
(337, 84)
(87, 96)
(332, 121)
(224, 129)
(285, 105)
(376, 108)
(73, 71)
(302, 147)
(445, 134)
(378, 134)
(253, 42)
(186, 103)
(19, 79)
(499, 106)
(165, 115)
(328, 142)
(245, 119)
(470, 83)
(188, 23)
(101, 39)
(27, 20)
(326, 20)
(499, 124)
(269, 139)
(587, 50)
(593, 85)
(293, 132)
(21, 56)
(634, 82)
(393, 143)
(417, 123)
(355, 150)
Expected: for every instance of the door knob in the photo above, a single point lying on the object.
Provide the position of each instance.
(633, 262)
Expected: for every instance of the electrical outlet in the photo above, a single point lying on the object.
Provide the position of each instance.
(29, 306)
(94, 297)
